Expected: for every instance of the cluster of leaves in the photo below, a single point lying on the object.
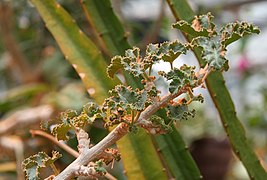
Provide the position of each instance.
(126, 104)
(213, 43)
(70, 120)
(133, 63)
(33, 164)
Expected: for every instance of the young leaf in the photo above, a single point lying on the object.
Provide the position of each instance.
(93, 112)
(169, 51)
(114, 66)
(180, 77)
(71, 119)
(200, 26)
(33, 164)
(61, 131)
(131, 62)
(234, 31)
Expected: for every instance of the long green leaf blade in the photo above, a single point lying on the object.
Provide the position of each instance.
(137, 150)
(100, 15)
(177, 155)
(89, 63)
(224, 104)
(106, 24)
(78, 49)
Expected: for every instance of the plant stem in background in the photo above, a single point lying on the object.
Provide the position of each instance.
(224, 104)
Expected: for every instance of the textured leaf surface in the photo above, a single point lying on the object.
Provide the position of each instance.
(131, 62)
(180, 77)
(200, 26)
(180, 112)
(212, 52)
(70, 119)
(137, 65)
(159, 123)
(33, 164)
(169, 51)
(234, 31)
(127, 98)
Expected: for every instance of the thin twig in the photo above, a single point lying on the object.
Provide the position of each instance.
(55, 141)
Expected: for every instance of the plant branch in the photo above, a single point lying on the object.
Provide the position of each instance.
(83, 139)
(63, 146)
(55, 141)
(121, 130)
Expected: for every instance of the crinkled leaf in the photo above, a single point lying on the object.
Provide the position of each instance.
(234, 31)
(180, 112)
(132, 62)
(200, 26)
(114, 66)
(212, 52)
(180, 77)
(33, 164)
(159, 123)
(169, 51)
(127, 98)
(71, 119)
(152, 54)
(93, 112)
(61, 131)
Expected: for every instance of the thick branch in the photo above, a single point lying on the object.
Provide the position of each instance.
(64, 147)
(83, 139)
(121, 130)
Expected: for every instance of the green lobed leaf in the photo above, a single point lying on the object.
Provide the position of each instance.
(93, 112)
(169, 51)
(180, 77)
(33, 164)
(234, 31)
(131, 62)
(180, 112)
(127, 98)
(212, 52)
(60, 131)
(70, 119)
(114, 66)
(200, 26)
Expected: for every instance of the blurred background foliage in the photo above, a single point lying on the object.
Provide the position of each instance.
(34, 74)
